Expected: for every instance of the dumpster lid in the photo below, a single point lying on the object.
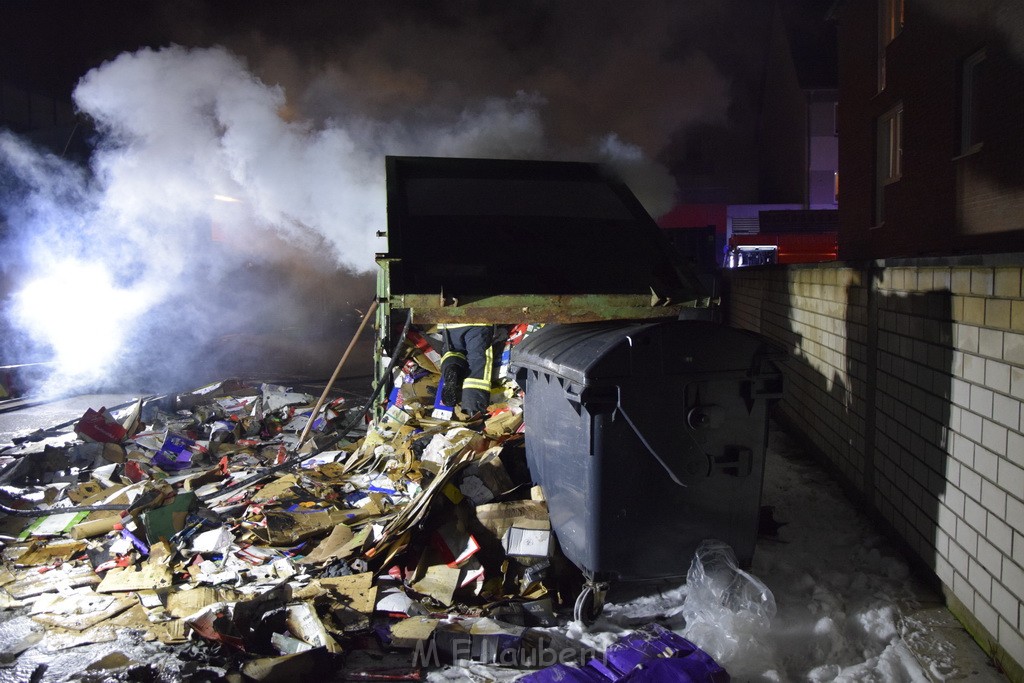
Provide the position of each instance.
(608, 353)
(464, 230)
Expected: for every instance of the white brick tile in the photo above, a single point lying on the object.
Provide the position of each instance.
(993, 498)
(974, 369)
(975, 515)
(944, 570)
(987, 614)
(941, 543)
(953, 474)
(956, 368)
(947, 517)
(1013, 348)
(1005, 602)
(960, 281)
(990, 342)
(936, 459)
(1007, 282)
(997, 376)
(981, 401)
(1012, 577)
(1017, 382)
(1015, 514)
(993, 437)
(921, 351)
(971, 425)
(1018, 547)
(967, 537)
(938, 358)
(1012, 641)
(955, 413)
(958, 558)
(1011, 478)
(1000, 534)
(1006, 411)
(966, 337)
(989, 556)
(986, 463)
(962, 590)
(982, 281)
(970, 483)
(1015, 448)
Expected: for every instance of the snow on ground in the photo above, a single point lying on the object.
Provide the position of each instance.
(844, 599)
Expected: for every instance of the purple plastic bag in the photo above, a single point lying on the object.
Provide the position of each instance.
(652, 654)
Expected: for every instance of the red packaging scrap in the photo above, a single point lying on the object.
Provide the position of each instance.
(517, 333)
(99, 425)
(134, 471)
(421, 343)
(455, 546)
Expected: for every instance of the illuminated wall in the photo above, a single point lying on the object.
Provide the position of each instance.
(908, 378)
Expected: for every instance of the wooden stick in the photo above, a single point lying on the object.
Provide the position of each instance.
(330, 383)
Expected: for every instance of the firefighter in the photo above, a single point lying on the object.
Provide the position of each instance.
(468, 366)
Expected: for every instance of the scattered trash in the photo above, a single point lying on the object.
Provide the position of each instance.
(264, 531)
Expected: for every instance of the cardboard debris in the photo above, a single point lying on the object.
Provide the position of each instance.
(287, 528)
(303, 622)
(153, 573)
(400, 536)
(485, 480)
(49, 553)
(293, 667)
(280, 489)
(32, 582)
(78, 611)
(498, 518)
(335, 546)
(355, 592)
(408, 633)
(439, 582)
(185, 603)
(7, 602)
(89, 527)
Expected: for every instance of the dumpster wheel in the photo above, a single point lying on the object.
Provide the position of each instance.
(590, 602)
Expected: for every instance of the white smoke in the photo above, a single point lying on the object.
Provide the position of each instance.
(202, 174)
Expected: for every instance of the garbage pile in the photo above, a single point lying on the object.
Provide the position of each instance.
(410, 542)
(208, 523)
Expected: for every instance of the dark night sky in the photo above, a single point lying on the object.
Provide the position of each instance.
(49, 43)
(642, 70)
(286, 110)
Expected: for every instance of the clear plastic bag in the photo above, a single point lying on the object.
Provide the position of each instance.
(728, 611)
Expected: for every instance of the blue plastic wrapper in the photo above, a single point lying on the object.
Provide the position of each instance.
(175, 454)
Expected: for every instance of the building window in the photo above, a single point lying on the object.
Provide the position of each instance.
(892, 19)
(890, 23)
(889, 159)
(970, 97)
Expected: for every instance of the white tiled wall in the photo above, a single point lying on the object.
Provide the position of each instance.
(910, 381)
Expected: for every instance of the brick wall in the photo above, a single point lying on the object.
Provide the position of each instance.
(908, 378)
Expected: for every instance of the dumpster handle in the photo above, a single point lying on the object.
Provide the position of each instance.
(695, 468)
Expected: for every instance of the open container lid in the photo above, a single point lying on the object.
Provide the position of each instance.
(505, 241)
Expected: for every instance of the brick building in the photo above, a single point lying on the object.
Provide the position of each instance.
(907, 356)
(932, 128)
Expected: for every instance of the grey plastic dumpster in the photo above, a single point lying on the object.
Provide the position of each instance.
(646, 438)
